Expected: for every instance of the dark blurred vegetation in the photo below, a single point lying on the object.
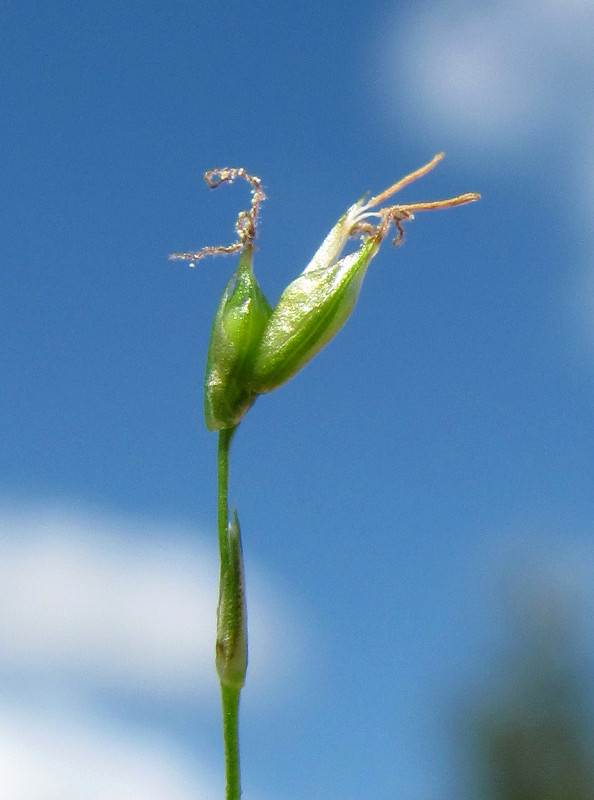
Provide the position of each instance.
(531, 737)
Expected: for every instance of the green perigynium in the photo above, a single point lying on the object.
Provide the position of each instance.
(310, 311)
(238, 327)
(253, 350)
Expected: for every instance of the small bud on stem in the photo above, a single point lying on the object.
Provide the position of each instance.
(231, 646)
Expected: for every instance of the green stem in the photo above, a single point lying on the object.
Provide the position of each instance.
(230, 704)
(224, 445)
(229, 695)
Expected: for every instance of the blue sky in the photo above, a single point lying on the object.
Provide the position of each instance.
(438, 450)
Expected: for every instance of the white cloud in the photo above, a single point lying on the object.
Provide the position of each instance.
(502, 81)
(127, 606)
(93, 607)
(79, 597)
(491, 74)
(70, 759)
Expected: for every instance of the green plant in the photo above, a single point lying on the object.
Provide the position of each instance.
(253, 350)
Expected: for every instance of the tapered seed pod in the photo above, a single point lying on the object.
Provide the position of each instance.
(314, 307)
(240, 319)
(310, 311)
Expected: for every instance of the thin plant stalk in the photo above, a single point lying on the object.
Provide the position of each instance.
(229, 694)
(253, 350)
(224, 445)
(230, 706)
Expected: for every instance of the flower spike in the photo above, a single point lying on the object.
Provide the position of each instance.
(255, 349)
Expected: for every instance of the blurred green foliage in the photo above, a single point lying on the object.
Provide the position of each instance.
(532, 738)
